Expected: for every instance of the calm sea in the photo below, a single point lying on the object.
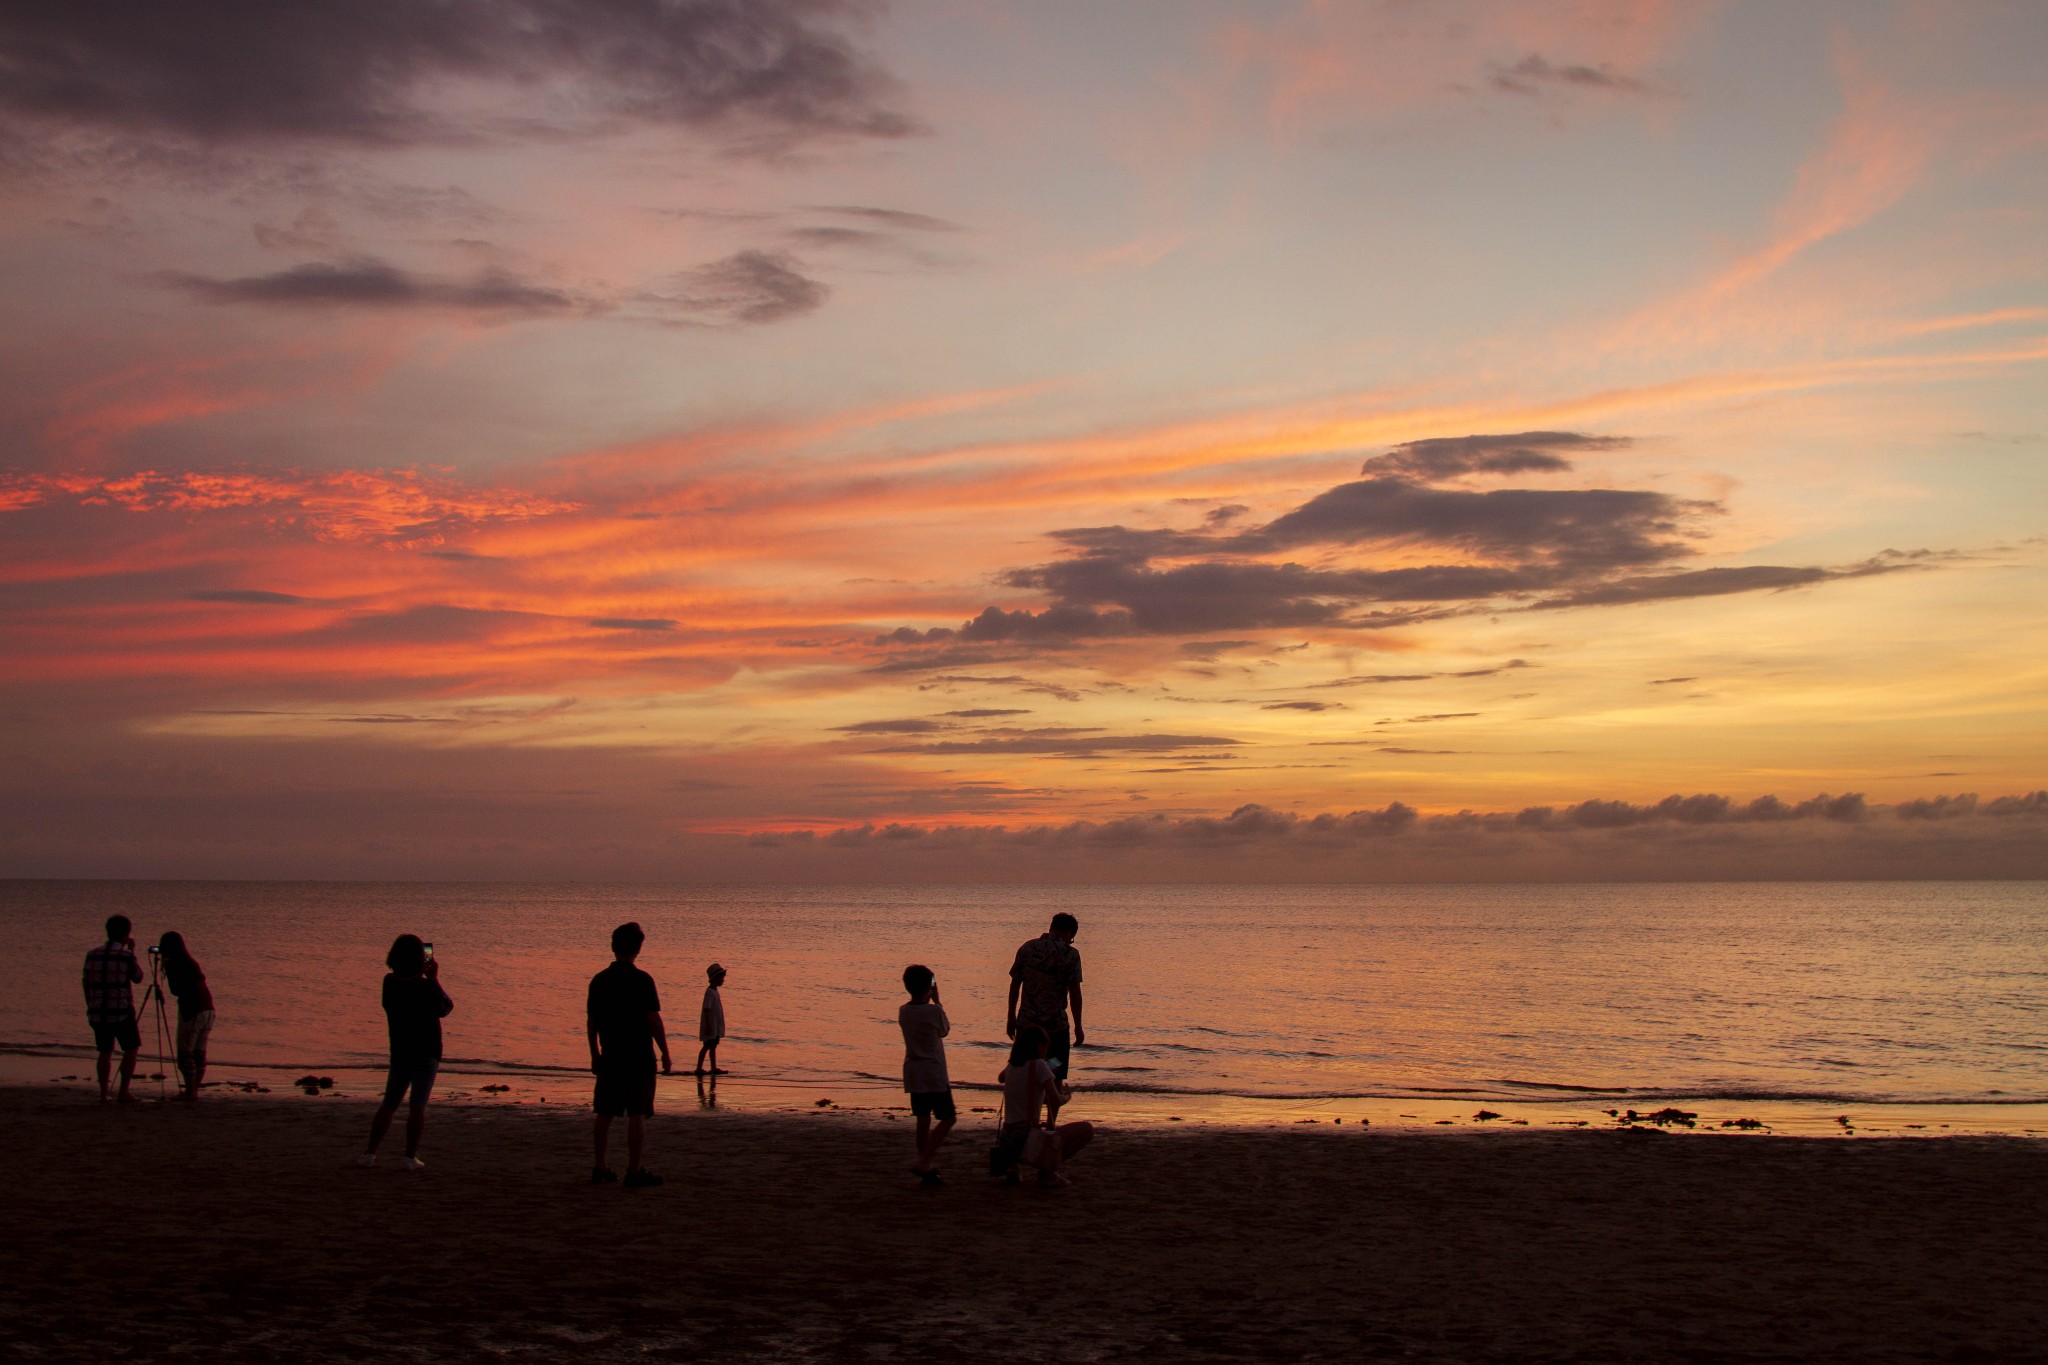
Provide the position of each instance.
(1831, 993)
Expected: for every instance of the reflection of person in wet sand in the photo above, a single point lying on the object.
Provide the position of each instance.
(1029, 1089)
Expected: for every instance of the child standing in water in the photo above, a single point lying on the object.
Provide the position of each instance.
(711, 1023)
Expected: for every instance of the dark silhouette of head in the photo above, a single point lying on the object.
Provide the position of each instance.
(917, 979)
(627, 938)
(118, 928)
(1031, 1044)
(1065, 926)
(172, 946)
(408, 955)
(714, 973)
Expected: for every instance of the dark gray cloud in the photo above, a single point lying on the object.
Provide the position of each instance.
(634, 623)
(1513, 548)
(989, 712)
(1303, 706)
(366, 282)
(1065, 742)
(1534, 74)
(247, 596)
(250, 71)
(747, 286)
(890, 727)
(900, 219)
(1443, 457)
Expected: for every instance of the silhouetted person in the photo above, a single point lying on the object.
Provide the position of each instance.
(111, 975)
(711, 1022)
(925, 1026)
(624, 1023)
(1045, 980)
(1030, 1089)
(414, 1006)
(182, 975)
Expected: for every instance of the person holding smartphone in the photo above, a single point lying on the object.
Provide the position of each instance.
(925, 1026)
(414, 1006)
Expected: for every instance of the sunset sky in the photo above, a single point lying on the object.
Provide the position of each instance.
(754, 438)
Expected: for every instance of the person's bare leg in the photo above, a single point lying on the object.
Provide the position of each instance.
(602, 1136)
(714, 1058)
(702, 1048)
(380, 1124)
(924, 1133)
(106, 1070)
(127, 1074)
(636, 1141)
(928, 1149)
(198, 1072)
(415, 1123)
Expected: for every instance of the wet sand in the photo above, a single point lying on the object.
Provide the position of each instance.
(236, 1230)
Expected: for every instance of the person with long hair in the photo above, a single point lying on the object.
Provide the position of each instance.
(414, 1006)
(187, 982)
(1030, 1089)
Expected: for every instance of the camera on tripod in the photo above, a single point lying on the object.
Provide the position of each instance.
(155, 951)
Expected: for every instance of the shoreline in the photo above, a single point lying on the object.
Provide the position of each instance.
(464, 1083)
(241, 1232)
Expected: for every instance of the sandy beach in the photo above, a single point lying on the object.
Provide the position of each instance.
(236, 1230)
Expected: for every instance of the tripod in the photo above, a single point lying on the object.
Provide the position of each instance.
(164, 1033)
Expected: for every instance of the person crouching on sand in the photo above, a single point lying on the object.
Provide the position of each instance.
(623, 1017)
(187, 983)
(111, 975)
(1029, 1088)
(711, 1023)
(924, 1024)
(414, 1006)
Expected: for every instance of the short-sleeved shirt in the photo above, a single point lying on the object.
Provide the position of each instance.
(925, 1027)
(621, 998)
(110, 972)
(1017, 1088)
(413, 1009)
(1048, 966)
(711, 1020)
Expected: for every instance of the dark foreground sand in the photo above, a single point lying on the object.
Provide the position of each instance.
(235, 1231)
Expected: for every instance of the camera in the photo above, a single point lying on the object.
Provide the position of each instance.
(155, 951)
(429, 947)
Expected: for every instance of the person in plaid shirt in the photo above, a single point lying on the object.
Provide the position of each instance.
(111, 972)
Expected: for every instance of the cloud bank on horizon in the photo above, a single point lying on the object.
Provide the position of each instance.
(705, 438)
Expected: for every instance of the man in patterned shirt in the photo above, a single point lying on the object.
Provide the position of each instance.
(110, 973)
(1044, 981)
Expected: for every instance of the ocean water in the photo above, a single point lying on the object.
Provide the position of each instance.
(1866, 993)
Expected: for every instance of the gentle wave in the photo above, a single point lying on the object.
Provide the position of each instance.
(1086, 1082)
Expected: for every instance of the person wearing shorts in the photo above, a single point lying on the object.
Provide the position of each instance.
(623, 1020)
(414, 1006)
(186, 981)
(111, 975)
(925, 1026)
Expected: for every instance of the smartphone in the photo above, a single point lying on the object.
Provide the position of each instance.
(430, 950)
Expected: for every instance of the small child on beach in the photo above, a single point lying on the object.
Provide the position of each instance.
(924, 1024)
(711, 1023)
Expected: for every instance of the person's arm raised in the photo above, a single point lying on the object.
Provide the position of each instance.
(434, 975)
